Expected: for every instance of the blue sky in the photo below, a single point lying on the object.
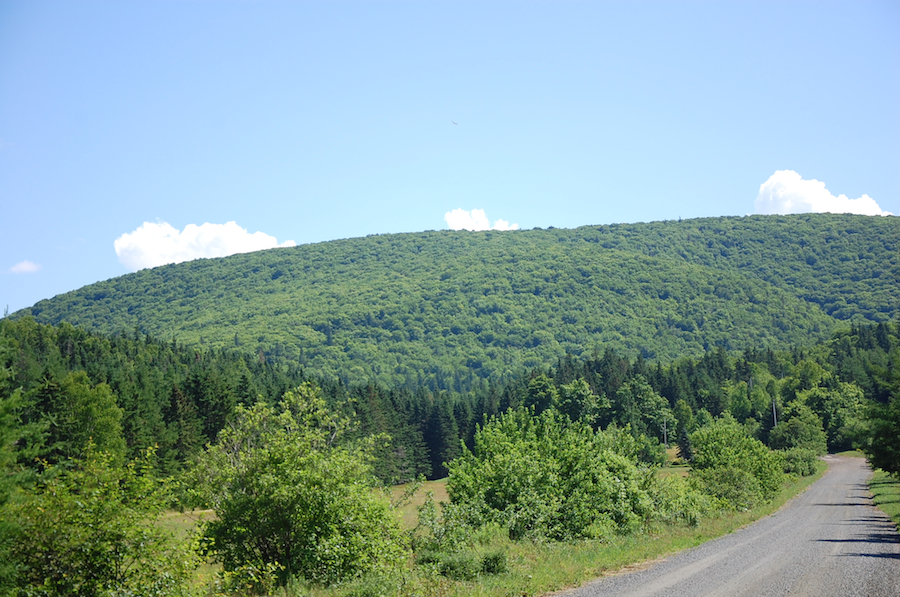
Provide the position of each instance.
(132, 133)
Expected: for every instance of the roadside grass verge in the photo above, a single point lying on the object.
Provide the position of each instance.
(885, 490)
(886, 494)
(539, 568)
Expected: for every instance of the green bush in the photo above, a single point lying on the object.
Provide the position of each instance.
(90, 529)
(445, 531)
(545, 476)
(882, 446)
(675, 499)
(458, 565)
(285, 494)
(494, 562)
(842, 408)
(464, 564)
(799, 461)
(461, 565)
(735, 487)
(247, 580)
(801, 428)
(730, 465)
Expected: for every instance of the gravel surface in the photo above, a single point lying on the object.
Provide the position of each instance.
(828, 541)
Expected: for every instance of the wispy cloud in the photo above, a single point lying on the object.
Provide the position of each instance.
(461, 219)
(25, 267)
(787, 193)
(159, 243)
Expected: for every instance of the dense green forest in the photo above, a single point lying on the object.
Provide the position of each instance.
(99, 434)
(178, 398)
(464, 310)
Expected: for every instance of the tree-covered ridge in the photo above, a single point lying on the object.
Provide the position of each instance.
(846, 264)
(451, 309)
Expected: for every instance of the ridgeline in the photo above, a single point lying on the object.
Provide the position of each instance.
(453, 310)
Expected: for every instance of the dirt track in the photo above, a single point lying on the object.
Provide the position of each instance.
(829, 541)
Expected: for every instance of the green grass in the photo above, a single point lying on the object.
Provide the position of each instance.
(885, 490)
(674, 465)
(680, 470)
(886, 494)
(181, 525)
(409, 511)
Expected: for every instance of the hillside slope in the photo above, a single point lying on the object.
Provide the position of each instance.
(449, 308)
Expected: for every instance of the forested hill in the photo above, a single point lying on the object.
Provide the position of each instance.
(448, 309)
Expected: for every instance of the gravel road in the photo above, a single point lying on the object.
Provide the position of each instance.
(828, 541)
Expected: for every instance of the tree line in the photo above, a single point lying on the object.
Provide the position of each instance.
(130, 391)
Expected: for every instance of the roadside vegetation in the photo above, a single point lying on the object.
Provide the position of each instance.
(885, 490)
(532, 567)
(536, 568)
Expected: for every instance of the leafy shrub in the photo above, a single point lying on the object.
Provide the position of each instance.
(730, 465)
(494, 562)
(736, 487)
(799, 461)
(675, 499)
(547, 477)
(634, 446)
(882, 447)
(801, 428)
(842, 408)
(247, 580)
(90, 529)
(284, 493)
(463, 564)
(458, 565)
(448, 531)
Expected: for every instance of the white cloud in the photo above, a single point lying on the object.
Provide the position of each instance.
(460, 219)
(160, 243)
(25, 267)
(787, 193)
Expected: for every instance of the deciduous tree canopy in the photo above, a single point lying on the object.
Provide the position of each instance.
(449, 310)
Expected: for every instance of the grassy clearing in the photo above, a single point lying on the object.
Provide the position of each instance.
(886, 494)
(681, 470)
(181, 525)
(409, 511)
(674, 465)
